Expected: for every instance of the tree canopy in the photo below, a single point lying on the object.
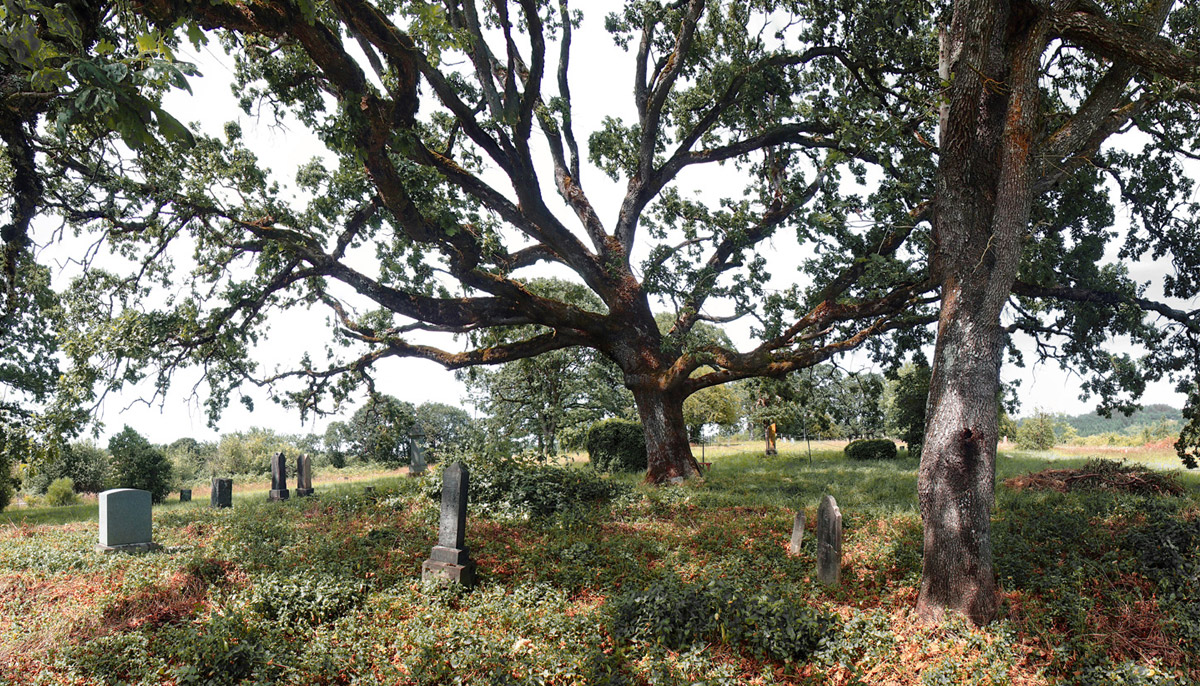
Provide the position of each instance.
(935, 161)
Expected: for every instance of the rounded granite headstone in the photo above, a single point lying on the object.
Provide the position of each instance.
(125, 517)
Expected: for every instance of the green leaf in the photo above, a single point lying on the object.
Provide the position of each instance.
(147, 42)
(172, 129)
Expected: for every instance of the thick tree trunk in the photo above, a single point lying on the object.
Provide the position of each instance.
(958, 464)
(669, 456)
(990, 56)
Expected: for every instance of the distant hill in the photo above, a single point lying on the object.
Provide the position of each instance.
(1093, 424)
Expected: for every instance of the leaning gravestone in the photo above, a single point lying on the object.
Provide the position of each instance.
(279, 489)
(829, 541)
(185, 495)
(303, 476)
(450, 561)
(222, 493)
(797, 534)
(125, 521)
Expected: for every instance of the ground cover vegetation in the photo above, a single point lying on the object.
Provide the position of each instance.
(589, 579)
(983, 127)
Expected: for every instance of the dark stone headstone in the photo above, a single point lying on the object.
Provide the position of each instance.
(303, 476)
(829, 541)
(222, 493)
(279, 489)
(368, 490)
(416, 458)
(185, 495)
(450, 561)
(797, 534)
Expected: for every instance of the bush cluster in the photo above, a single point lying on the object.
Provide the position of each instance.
(617, 445)
(1169, 552)
(677, 615)
(310, 599)
(871, 449)
(525, 485)
(61, 492)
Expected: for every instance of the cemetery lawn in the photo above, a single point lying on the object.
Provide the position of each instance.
(681, 585)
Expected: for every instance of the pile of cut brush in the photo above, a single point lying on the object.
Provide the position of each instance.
(1114, 475)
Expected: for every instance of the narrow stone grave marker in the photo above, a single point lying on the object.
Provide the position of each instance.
(829, 541)
(416, 458)
(303, 476)
(222, 493)
(450, 561)
(797, 534)
(279, 489)
(125, 524)
(185, 495)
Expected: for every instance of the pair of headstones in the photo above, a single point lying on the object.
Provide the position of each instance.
(279, 489)
(829, 540)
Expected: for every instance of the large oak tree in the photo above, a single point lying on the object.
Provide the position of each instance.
(925, 153)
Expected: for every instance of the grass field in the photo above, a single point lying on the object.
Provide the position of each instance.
(681, 585)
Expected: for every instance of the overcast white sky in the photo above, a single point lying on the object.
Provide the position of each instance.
(600, 80)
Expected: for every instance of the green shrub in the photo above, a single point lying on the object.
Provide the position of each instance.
(61, 492)
(525, 485)
(871, 449)
(617, 445)
(227, 649)
(676, 615)
(311, 599)
(1036, 432)
(138, 464)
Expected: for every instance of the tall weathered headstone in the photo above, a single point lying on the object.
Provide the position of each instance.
(450, 561)
(222, 493)
(416, 458)
(125, 524)
(829, 541)
(279, 489)
(797, 534)
(303, 476)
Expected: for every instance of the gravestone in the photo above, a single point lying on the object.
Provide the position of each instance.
(303, 476)
(450, 561)
(279, 489)
(185, 495)
(368, 490)
(797, 534)
(416, 458)
(222, 493)
(125, 521)
(829, 541)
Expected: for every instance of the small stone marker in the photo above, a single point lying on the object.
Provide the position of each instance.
(125, 521)
(185, 495)
(222, 493)
(797, 534)
(279, 489)
(416, 458)
(303, 476)
(450, 561)
(368, 490)
(829, 541)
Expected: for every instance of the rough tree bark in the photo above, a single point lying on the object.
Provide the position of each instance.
(990, 55)
(669, 456)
